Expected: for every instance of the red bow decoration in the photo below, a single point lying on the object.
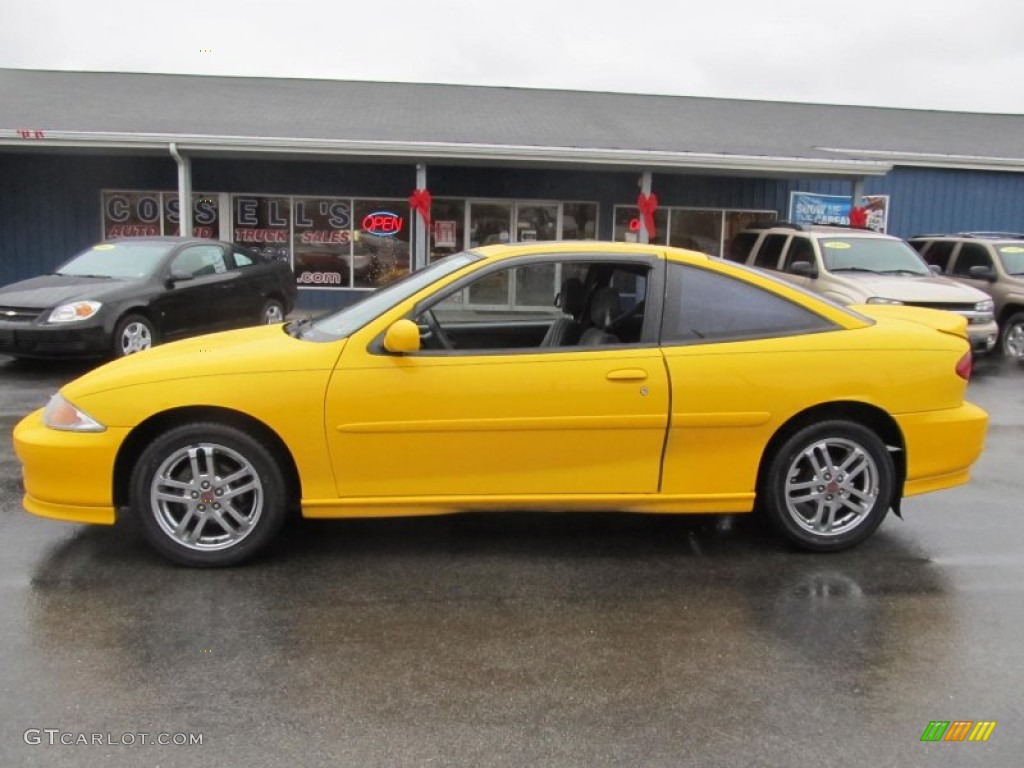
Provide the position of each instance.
(858, 216)
(648, 204)
(420, 202)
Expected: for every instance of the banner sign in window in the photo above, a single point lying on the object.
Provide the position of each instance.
(322, 242)
(149, 214)
(810, 208)
(261, 223)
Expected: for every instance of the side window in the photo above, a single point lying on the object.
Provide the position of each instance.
(741, 245)
(199, 261)
(938, 253)
(243, 259)
(971, 255)
(702, 306)
(550, 304)
(799, 250)
(771, 249)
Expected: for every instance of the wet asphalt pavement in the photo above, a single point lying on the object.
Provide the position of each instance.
(522, 640)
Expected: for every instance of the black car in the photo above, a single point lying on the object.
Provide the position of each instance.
(124, 296)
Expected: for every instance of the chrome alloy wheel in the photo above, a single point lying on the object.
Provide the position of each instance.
(273, 313)
(1013, 339)
(135, 337)
(831, 487)
(206, 497)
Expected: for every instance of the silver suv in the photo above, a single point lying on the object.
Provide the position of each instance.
(992, 262)
(860, 266)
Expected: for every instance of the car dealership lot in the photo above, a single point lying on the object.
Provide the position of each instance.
(523, 639)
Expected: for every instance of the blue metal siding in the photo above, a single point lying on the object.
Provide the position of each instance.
(50, 203)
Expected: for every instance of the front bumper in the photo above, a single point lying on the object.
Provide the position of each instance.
(65, 340)
(67, 475)
(983, 337)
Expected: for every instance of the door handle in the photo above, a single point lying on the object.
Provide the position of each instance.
(627, 374)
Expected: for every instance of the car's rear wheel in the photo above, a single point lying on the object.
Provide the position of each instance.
(828, 486)
(1011, 336)
(273, 312)
(133, 333)
(208, 494)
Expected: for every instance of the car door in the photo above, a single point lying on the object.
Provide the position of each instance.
(193, 300)
(520, 422)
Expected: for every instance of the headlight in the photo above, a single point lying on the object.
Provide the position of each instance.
(882, 300)
(985, 306)
(60, 414)
(70, 313)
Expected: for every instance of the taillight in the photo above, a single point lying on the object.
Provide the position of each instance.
(965, 366)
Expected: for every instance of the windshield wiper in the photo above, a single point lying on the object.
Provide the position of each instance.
(904, 272)
(854, 269)
(296, 327)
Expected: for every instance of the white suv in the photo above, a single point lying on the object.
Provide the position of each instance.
(861, 266)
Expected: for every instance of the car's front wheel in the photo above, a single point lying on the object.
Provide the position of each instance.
(828, 486)
(1011, 336)
(133, 333)
(208, 494)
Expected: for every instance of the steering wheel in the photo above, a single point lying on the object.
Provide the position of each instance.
(436, 333)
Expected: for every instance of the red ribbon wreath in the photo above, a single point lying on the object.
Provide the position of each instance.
(419, 200)
(858, 216)
(648, 204)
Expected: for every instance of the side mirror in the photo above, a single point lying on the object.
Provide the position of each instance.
(935, 268)
(402, 338)
(982, 272)
(177, 276)
(803, 269)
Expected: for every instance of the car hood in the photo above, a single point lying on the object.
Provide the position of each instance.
(924, 289)
(260, 349)
(53, 290)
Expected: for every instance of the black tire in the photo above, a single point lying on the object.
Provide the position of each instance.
(1011, 336)
(209, 495)
(811, 497)
(133, 333)
(272, 312)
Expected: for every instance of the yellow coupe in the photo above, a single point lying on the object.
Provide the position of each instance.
(542, 376)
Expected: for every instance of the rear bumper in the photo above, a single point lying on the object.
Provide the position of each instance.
(941, 447)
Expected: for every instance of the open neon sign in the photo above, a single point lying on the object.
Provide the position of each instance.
(382, 223)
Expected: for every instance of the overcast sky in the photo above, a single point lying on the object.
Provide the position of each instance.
(926, 54)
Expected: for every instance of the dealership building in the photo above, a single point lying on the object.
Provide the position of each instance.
(354, 183)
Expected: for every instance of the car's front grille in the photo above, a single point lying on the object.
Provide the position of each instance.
(19, 314)
(946, 305)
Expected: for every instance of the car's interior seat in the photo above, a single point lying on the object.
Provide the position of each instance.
(605, 308)
(567, 329)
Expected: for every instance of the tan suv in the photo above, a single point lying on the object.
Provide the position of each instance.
(991, 261)
(860, 266)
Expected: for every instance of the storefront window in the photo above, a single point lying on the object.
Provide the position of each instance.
(380, 248)
(205, 215)
(447, 223)
(262, 224)
(131, 214)
(627, 224)
(696, 230)
(579, 221)
(322, 242)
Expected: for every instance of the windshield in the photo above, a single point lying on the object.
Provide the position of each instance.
(868, 254)
(352, 318)
(1012, 255)
(120, 260)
